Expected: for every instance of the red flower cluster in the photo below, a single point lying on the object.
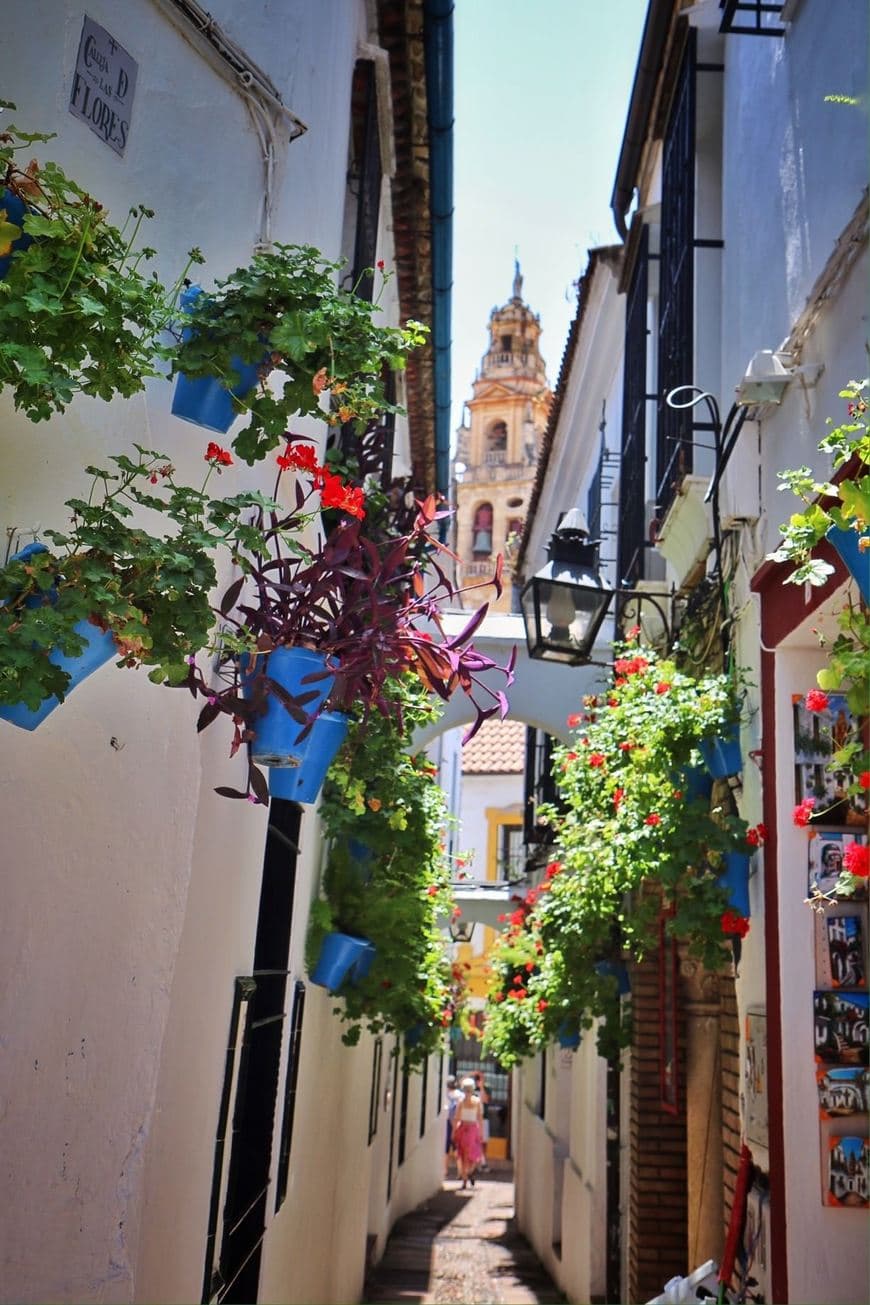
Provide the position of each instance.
(662, 687)
(757, 836)
(553, 869)
(856, 859)
(734, 923)
(334, 493)
(597, 759)
(574, 720)
(218, 456)
(864, 779)
(653, 819)
(630, 665)
(801, 814)
(299, 457)
(816, 700)
(618, 795)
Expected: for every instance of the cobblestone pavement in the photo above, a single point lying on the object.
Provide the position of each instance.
(462, 1246)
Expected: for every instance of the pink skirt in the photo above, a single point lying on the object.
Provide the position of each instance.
(467, 1141)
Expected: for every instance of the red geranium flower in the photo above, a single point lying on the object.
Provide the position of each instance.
(299, 457)
(554, 868)
(856, 859)
(220, 457)
(618, 795)
(626, 747)
(574, 720)
(334, 493)
(864, 779)
(733, 922)
(653, 819)
(663, 687)
(597, 759)
(801, 814)
(816, 700)
(755, 837)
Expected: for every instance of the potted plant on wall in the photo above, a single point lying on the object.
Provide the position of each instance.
(631, 844)
(286, 317)
(838, 510)
(78, 311)
(110, 584)
(362, 610)
(394, 899)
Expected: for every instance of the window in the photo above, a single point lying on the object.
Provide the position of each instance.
(511, 861)
(294, 1045)
(240, 1180)
(631, 527)
(481, 531)
(375, 1096)
(365, 174)
(507, 344)
(751, 18)
(424, 1092)
(496, 440)
(403, 1114)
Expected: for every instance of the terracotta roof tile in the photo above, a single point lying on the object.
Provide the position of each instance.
(498, 748)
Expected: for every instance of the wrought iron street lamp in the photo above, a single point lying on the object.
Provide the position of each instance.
(461, 930)
(565, 602)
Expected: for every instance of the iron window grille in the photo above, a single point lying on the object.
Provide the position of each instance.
(631, 530)
(375, 1096)
(424, 1093)
(540, 787)
(751, 18)
(291, 1081)
(676, 316)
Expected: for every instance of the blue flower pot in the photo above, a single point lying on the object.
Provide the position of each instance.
(277, 742)
(339, 955)
(303, 782)
(362, 967)
(99, 648)
(16, 211)
(694, 782)
(206, 400)
(616, 970)
(568, 1034)
(735, 880)
(722, 755)
(847, 543)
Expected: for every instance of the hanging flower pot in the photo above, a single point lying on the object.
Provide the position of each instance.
(616, 970)
(735, 880)
(363, 966)
(568, 1034)
(277, 739)
(15, 210)
(857, 560)
(339, 955)
(99, 647)
(722, 755)
(302, 782)
(694, 781)
(207, 400)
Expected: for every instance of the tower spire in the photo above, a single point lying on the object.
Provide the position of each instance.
(518, 279)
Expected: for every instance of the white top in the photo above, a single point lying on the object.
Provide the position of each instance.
(468, 1114)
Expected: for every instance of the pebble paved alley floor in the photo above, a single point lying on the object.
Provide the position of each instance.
(462, 1246)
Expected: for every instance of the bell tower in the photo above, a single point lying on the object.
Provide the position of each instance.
(497, 450)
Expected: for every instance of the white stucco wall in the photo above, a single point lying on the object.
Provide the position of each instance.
(130, 890)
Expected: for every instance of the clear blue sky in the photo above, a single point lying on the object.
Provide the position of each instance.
(541, 99)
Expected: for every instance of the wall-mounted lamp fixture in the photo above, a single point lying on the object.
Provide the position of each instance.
(461, 930)
(564, 604)
(768, 375)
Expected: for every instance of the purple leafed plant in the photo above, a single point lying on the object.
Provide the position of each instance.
(371, 602)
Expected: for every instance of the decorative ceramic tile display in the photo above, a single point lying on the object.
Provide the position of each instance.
(843, 1090)
(848, 1173)
(840, 1029)
(825, 851)
(841, 945)
(817, 735)
(755, 1078)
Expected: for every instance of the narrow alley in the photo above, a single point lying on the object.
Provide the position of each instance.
(462, 1246)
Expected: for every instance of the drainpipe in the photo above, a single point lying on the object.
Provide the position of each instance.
(438, 40)
(649, 61)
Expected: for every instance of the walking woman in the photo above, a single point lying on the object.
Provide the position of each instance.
(468, 1132)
